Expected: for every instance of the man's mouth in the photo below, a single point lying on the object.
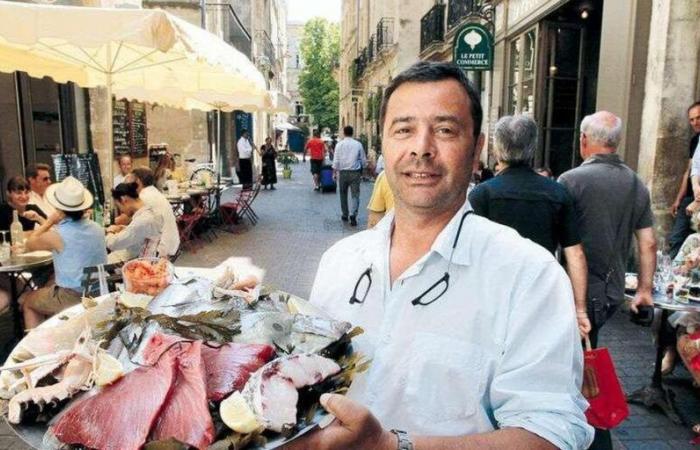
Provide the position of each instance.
(421, 176)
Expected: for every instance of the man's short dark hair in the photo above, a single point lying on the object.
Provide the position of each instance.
(125, 190)
(144, 175)
(317, 133)
(32, 170)
(348, 131)
(694, 105)
(429, 71)
(75, 215)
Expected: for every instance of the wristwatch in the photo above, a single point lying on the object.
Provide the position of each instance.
(404, 441)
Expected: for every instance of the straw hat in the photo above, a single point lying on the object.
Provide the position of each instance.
(69, 195)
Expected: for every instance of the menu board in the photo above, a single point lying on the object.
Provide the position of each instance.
(84, 167)
(130, 130)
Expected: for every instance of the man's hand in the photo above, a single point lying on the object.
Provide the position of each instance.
(693, 208)
(33, 216)
(57, 216)
(584, 325)
(674, 208)
(115, 228)
(642, 298)
(354, 428)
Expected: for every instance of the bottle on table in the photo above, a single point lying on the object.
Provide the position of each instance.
(97, 213)
(17, 232)
(107, 213)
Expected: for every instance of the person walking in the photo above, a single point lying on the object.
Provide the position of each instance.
(536, 207)
(268, 153)
(348, 162)
(245, 165)
(317, 152)
(470, 328)
(612, 205)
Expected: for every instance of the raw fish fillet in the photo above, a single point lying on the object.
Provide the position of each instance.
(185, 415)
(272, 393)
(121, 415)
(229, 367)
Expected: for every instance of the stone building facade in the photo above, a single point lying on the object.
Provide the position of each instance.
(295, 64)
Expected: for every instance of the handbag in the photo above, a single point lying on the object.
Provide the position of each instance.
(601, 387)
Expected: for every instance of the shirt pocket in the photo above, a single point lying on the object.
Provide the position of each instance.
(444, 378)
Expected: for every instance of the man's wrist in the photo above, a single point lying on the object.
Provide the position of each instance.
(389, 441)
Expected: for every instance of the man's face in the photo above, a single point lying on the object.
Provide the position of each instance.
(125, 165)
(694, 119)
(429, 145)
(40, 182)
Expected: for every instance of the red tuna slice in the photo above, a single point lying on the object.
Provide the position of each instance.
(229, 366)
(120, 415)
(185, 415)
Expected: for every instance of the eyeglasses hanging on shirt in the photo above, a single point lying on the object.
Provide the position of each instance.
(429, 296)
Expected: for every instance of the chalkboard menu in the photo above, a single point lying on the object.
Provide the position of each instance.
(243, 121)
(84, 167)
(129, 127)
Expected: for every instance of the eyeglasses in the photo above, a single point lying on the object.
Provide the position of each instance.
(430, 295)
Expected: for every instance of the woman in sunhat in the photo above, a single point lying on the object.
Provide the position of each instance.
(76, 243)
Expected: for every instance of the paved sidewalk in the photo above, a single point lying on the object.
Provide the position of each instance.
(297, 225)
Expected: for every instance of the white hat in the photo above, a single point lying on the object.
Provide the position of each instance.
(69, 195)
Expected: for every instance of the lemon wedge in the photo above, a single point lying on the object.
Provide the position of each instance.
(237, 415)
(297, 305)
(108, 369)
(131, 300)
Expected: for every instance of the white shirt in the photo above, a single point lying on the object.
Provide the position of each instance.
(143, 230)
(349, 155)
(245, 150)
(40, 201)
(119, 179)
(170, 241)
(501, 342)
(695, 165)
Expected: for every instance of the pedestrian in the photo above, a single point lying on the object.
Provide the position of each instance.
(612, 205)
(245, 166)
(317, 152)
(536, 207)
(681, 219)
(268, 153)
(482, 173)
(125, 166)
(470, 328)
(381, 201)
(39, 177)
(348, 163)
(75, 243)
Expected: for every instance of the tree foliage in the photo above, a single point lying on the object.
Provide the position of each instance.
(320, 51)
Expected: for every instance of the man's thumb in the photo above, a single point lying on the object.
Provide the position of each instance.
(344, 409)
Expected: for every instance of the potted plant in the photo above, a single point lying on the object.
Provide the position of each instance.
(286, 158)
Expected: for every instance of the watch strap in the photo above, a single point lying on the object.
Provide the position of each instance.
(404, 441)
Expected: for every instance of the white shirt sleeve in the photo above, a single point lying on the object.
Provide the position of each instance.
(537, 385)
(695, 166)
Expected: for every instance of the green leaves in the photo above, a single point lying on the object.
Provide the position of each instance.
(320, 51)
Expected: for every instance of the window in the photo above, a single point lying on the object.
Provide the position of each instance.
(521, 80)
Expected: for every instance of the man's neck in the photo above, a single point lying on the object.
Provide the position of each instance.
(38, 194)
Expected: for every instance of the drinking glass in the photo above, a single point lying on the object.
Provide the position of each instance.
(5, 249)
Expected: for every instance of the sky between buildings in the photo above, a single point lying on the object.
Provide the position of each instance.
(303, 10)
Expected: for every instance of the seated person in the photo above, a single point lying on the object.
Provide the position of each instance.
(143, 234)
(179, 173)
(17, 192)
(76, 242)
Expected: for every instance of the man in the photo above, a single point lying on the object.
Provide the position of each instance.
(39, 177)
(470, 328)
(317, 152)
(348, 162)
(685, 197)
(170, 240)
(382, 200)
(612, 205)
(143, 234)
(125, 165)
(536, 207)
(245, 165)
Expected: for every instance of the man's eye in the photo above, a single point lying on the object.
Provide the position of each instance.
(445, 130)
(402, 131)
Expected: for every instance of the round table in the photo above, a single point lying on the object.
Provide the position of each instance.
(14, 267)
(655, 394)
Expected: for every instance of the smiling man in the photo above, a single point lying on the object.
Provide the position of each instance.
(470, 328)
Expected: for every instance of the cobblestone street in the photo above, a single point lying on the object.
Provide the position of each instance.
(297, 224)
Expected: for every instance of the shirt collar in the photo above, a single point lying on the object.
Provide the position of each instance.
(443, 243)
(612, 158)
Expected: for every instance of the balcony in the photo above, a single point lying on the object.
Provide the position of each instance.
(432, 26)
(266, 49)
(385, 33)
(458, 10)
(360, 65)
(371, 50)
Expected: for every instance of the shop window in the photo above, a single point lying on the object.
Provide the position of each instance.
(521, 75)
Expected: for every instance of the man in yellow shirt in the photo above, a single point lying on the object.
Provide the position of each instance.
(382, 200)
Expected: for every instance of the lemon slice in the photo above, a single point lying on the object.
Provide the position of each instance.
(108, 369)
(297, 305)
(132, 300)
(237, 415)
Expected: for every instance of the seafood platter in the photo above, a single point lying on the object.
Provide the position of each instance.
(206, 359)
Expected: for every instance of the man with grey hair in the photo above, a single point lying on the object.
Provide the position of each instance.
(538, 208)
(612, 205)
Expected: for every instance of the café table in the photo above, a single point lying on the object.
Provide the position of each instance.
(655, 394)
(13, 268)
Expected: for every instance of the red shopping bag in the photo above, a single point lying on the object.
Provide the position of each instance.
(601, 387)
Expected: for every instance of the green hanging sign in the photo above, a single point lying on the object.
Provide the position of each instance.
(473, 48)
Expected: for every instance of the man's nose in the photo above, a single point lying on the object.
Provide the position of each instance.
(424, 145)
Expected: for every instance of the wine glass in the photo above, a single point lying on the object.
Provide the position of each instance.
(5, 248)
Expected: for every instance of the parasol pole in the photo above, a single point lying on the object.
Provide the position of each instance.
(110, 127)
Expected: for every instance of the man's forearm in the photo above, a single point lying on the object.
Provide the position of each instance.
(695, 180)
(511, 438)
(577, 268)
(647, 265)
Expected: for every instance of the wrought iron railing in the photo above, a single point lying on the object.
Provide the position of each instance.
(360, 65)
(371, 50)
(460, 9)
(385, 33)
(432, 26)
